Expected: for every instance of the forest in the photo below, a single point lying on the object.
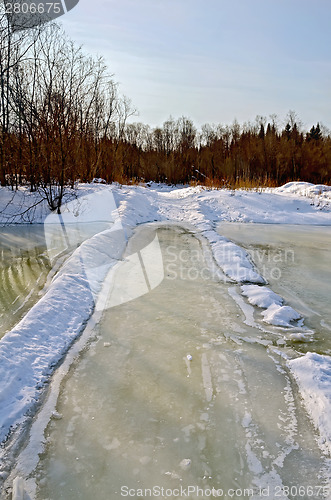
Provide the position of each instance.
(63, 120)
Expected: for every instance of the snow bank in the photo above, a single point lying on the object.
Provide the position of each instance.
(319, 194)
(275, 312)
(182, 193)
(313, 375)
(303, 188)
(30, 351)
(232, 259)
(19, 207)
(137, 205)
(280, 315)
(22, 206)
(261, 296)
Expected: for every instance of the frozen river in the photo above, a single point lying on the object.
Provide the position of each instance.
(176, 391)
(296, 261)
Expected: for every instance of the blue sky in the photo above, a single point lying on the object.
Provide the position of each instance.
(213, 60)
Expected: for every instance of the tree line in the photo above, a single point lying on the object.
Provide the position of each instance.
(259, 153)
(62, 120)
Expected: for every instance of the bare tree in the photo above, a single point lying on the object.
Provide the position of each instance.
(67, 102)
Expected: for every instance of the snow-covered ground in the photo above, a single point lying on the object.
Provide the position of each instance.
(30, 352)
(313, 374)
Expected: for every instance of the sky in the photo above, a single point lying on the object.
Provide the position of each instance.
(213, 60)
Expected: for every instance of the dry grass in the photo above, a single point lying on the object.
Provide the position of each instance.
(238, 184)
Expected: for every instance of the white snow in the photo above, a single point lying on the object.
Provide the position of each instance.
(261, 296)
(313, 375)
(275, 312)
(232, 259)
(304, 189)
(29, 353)
(280, 315)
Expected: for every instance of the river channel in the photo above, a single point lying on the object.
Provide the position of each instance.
(175, 391)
